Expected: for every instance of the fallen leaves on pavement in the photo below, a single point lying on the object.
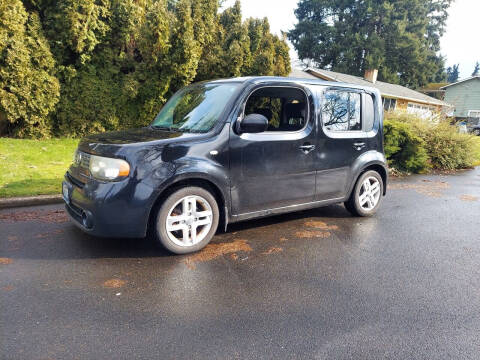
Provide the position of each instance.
(312, 234)
(468, 198)
(5, 261)
(272, 250)
(213, 251)
(114, 283)
(321, 225)
(48, 216)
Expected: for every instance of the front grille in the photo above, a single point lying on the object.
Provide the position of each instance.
(75, 181)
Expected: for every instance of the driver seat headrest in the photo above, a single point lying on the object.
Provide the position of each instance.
(295, 111)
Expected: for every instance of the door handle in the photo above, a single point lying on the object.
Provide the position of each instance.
(307, 148)
(359, 145)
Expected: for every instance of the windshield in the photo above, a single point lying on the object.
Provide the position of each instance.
(195, 108)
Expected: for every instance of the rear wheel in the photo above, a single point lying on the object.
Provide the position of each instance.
(367, 195)
(187, 220)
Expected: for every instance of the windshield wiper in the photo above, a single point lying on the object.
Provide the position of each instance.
(167, 128)
(171, 128)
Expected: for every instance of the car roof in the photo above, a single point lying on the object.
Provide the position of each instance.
(287, 80)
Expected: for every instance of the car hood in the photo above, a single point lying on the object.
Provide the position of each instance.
(112, 143)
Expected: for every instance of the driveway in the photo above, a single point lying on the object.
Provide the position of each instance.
(317, 284)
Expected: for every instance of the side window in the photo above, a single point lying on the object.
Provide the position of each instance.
(269, 107)
(368, 113)
(285, 108)
(341, 111)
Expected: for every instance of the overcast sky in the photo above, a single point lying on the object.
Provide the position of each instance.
(460, 44)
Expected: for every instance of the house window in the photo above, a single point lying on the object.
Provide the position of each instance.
(341, 111)
(389, 104)
(474, 113)
(423, 111)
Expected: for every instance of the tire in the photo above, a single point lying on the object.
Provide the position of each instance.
(363, 205)
(194, 228)
(476, 132)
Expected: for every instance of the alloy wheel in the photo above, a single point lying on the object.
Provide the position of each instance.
(189, 221)
(369, 194)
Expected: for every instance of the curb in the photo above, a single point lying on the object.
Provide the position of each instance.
(30, 201)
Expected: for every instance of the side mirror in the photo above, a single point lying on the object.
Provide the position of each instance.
(253, 123)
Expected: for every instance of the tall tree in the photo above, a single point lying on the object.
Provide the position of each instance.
(73, 67)
(242, 48)
(29, 90)
(401, 38)
(453, 73)
(476, 71)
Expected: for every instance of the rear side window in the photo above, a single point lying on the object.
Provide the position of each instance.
(341, 111)
(369, 113)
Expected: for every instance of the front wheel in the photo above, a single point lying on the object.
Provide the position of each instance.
(187, 220)
(367, 195)
(476, 132)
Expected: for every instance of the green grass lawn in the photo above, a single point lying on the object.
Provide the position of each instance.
(34, 167)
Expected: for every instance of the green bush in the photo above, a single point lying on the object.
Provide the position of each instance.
(404, 149)
(448, 149)
(414, 144)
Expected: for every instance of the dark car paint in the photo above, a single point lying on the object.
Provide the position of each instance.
(249, 178)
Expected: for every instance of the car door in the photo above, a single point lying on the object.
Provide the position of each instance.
(276, 168)
(342, 138)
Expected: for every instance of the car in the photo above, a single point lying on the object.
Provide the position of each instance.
(462, 127)
(231, 150)
(475, 128)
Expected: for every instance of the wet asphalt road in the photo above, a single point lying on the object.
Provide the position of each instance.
(316, 285)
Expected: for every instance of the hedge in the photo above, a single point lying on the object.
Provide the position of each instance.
(416, 145)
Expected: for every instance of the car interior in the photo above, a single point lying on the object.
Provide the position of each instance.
(285, 108)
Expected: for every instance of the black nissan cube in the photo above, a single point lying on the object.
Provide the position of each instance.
(231, 150)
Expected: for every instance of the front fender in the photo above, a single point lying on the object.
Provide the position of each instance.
(201, 170)
(191, 169)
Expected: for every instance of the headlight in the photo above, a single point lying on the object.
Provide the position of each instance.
(76, 157)
(108, 169)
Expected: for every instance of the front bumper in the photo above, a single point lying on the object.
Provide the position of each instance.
(119, 209)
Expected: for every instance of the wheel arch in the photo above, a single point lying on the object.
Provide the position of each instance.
(371, 160)
(198, 181)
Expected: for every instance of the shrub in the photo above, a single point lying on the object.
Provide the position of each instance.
(404, 149)
(441, 146)
(448, 149)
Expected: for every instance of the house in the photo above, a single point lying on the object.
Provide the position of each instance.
(465, 96)
(393, 96)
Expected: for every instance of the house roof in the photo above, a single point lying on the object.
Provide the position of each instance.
(461, 81)
(386, 89)
(297, 73)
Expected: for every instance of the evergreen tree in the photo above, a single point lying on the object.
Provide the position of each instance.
(73, 67)
(453, 73)
(29, 90)
(476, 71)
(399, 38)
